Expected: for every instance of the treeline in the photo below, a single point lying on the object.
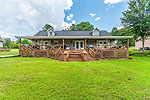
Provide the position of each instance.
(8, 43)
(123, 32)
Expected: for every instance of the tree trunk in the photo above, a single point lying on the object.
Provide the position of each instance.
(143, 41)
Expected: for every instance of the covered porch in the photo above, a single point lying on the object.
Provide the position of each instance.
(56, 47)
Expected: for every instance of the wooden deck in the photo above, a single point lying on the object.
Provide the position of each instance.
(76, 55)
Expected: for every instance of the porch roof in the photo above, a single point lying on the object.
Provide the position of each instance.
(74, 37)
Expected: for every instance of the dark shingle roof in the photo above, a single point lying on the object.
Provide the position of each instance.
(104, 33)
(41, 33)
(73, 33)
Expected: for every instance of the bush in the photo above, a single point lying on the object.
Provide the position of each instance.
(97, 58)
(48, 56)
(30, 55)
(52, 57)
(37, 56)
(118, 57)
(45, 56)
(103, 58)
(25, 56)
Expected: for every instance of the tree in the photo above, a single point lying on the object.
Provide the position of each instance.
(123, 32)
(24, 41)
(47, 26)
(83, 26)
(137, 17)
(7, 43)
(14, 45)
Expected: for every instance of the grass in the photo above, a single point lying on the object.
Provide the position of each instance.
(36, 78)
(11, 52)
(134, 52)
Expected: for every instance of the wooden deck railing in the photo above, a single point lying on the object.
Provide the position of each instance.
(92, 53)
(39, 47)
(112, 47)
(58, 52)
(66, 54)
(84, 54)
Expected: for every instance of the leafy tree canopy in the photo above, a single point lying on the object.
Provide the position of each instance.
(47, 26)
(138, 18)
(123, 32)
(24, 41)
(83, 26)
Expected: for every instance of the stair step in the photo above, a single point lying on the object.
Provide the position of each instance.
(75, 53)
(75, 56)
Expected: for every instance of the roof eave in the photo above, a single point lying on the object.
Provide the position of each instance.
(74, 37)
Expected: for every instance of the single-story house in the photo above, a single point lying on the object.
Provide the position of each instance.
(1, 41)
(68, 44)
(138, 44)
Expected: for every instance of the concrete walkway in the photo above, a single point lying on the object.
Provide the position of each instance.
(8, 56)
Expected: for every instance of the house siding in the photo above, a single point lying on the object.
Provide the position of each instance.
(1, 44)
(138, 44)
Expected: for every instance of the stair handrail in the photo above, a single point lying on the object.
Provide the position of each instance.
(83, 54)
(92, 53)
(66, 54)
(58, 52)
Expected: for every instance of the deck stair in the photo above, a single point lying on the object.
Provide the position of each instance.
(75, 55)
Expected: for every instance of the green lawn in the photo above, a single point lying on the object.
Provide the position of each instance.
(36, 78)
(11, 52)
(132, 51)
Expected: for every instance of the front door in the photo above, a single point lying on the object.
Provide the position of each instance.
(79, 45)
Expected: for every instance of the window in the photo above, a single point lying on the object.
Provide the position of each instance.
(101, 43)
(81, 44)
(50, 33)
(55, 42)
(73, 44)
(46, 43)
(104, 42)
(77, 44)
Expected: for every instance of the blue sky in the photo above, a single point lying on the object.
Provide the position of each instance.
(27, 17)
(109, 13)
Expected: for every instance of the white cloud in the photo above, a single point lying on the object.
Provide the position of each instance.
(120, 27)
(53, 25)
(26, 17)
(74, 21)
(112, 1)
(92, 14)
(66, 25)
(70, 17)
(98, 18)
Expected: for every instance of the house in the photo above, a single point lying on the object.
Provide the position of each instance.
(1, 41)
(138, 44)
(75, 45)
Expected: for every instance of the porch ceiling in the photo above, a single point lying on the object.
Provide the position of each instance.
(74, 37)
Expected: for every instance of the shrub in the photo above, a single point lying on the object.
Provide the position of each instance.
(25, 56)
(37, 56)
(103, 58)
(45, 56)
(52, 57)
(97, 58)
(118, 57)
(30, 55)
(48, 56)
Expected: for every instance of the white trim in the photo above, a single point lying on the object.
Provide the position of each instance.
(75, 37)
(79, 44)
